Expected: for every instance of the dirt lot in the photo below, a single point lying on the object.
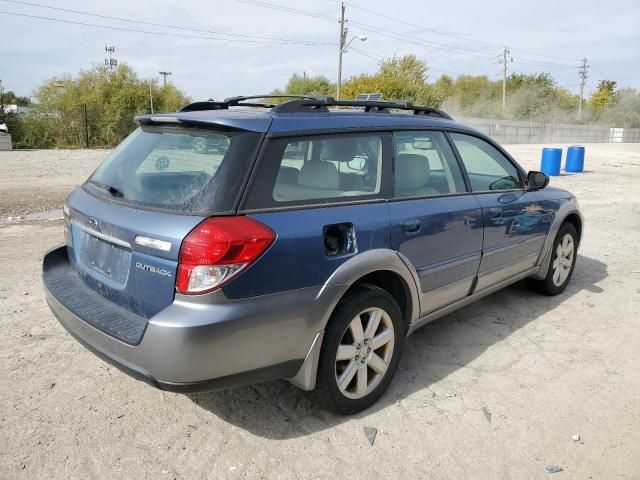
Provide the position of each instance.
(496, 390)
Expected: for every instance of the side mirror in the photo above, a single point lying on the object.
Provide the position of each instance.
(537, 180)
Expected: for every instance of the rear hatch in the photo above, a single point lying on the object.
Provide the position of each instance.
(124, 227)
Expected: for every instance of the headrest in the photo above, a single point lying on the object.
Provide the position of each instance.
(320, 175)
(412, 171)
(339, 149)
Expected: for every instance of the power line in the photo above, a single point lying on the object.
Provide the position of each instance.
(367, 54)
(141, 22)
(425, 43)
(296, 11)
(544, 64)
(485, 54)
(381, 58)
(372, 28)
(451, 48)
(438, 32)
(162, 34)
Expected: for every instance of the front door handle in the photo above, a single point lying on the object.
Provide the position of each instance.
(411, 226)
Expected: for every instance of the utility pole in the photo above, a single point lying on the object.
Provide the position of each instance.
(2, 101)
(584, 74)
(165, 75)
(110, 62)
(150, 96)
(343, 37)
(505, 58)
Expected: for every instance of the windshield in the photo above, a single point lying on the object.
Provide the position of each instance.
(189, 170)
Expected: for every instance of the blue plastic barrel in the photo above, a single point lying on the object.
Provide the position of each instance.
(551, 160)
(575, 159)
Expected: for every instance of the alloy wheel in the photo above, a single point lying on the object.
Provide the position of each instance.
(364, 353)
(563, 260)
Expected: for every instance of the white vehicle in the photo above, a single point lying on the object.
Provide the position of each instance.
(3, 128)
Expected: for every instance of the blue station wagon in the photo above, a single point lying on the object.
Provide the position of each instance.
(243, 241)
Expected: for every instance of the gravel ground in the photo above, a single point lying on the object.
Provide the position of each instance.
(496, 390)
(37, 180)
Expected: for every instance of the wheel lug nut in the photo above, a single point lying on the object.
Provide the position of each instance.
(358, 347)
(357, 357)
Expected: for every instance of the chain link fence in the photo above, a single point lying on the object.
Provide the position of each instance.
(81, 126)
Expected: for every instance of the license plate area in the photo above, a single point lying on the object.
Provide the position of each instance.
(105, 260)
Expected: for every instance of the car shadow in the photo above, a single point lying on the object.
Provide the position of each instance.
(278, 410)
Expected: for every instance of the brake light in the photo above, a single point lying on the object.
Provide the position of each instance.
(217, 250)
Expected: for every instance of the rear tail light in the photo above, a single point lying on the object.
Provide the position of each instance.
(219, 249)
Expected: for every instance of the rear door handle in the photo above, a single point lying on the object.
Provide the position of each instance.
(411, 226)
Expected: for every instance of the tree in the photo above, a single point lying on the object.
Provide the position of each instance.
(305, 85)
(10, 98)
(398, 78)
(112, 98)
(475, 95)
(543, 81)
(530, 95)
(603, 96)
(624, 110)
(408, 67)
(444, 86)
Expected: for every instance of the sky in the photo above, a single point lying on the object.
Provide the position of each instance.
(216, 49)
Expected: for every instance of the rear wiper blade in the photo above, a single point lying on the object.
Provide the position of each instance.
(112, 190)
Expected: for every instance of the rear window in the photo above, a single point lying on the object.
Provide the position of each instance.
(188, 170)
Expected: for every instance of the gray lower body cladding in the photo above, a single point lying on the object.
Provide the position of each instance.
(210, 342)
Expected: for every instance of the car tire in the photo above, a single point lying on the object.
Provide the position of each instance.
(355, 366)
(561, 262)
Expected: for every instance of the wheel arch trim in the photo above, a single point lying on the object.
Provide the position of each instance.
(567, 209)
(346, 275)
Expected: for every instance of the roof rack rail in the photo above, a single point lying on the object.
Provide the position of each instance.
(241, 99)
(322, 104)
(313, 103)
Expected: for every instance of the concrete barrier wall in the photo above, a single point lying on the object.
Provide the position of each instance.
(5, 142)
(514, 131)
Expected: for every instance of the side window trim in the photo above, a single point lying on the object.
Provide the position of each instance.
(517, 168)
(463, 169)
(392, 196)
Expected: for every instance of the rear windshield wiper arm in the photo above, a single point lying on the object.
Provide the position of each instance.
(112, 190)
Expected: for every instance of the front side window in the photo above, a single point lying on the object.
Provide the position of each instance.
(487, 168)
(425, 165)
(319, 169)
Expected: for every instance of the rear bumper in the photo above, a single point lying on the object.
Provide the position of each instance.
(207, 342)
